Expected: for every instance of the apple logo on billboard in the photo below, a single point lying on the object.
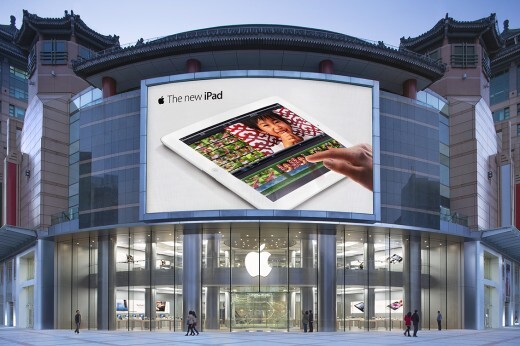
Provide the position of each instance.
(256, 263)
(161, 100)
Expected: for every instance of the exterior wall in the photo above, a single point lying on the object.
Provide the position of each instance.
(45, 146)
(472, 155)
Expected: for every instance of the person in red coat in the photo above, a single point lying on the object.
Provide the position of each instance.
(407, 323)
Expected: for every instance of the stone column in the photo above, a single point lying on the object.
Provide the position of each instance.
(410, 88)
(106, 285)
(326, 279)
(108, 85)
(326, 66)
(191, 270)
(192, 66)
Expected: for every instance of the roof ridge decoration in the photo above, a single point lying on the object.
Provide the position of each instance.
(259, 36)
(33, 23)
(448, 25)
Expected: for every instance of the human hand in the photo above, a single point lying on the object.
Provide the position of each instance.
(354, 162)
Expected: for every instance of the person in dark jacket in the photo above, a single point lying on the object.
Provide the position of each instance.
(77, 320)
(415, 321)
(311, 321)
(439, 319)
(305, 321)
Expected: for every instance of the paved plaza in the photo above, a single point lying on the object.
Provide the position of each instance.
(503, 336)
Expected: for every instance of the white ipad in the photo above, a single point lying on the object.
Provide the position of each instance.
(258, 151)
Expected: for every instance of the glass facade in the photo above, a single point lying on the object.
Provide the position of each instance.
(409, 161)
(18, 83)
(499, 87)
(104, 159)
(254, 276)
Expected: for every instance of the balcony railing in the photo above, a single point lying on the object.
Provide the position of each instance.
(64, 216)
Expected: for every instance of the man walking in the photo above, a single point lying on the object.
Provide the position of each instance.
(311, 321)
(77, 320)
(415, 321)
(439, 319)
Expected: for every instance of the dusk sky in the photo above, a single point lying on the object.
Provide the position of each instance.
(376, 20)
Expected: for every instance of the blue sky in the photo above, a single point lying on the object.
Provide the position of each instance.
(376, 20)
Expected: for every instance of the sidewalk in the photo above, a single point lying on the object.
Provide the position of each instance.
(14, 336)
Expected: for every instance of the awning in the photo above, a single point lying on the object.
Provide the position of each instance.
(505, 239)
(14, 239)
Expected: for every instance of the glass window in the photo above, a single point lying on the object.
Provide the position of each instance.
(54, 52)
(501, 114)
(499, 87)
(435, 55)
(464, 56)
(518, 129)
(17, 83)
(85, 53)
(16, 112)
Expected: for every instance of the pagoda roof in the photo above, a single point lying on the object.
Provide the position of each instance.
(69, 24)
(7, 46)
(260, 36)
(485, 28)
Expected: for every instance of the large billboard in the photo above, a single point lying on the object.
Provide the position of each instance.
(259, 143)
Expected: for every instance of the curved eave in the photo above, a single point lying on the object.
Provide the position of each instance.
(33, 24)
(403, 59)
(452, 28)
(13, 52)
(505, 57)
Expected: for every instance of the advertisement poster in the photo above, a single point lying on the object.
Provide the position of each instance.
(259, 143)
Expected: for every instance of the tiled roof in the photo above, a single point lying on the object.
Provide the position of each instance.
(69, 23)
(276, 37)
(451, 27)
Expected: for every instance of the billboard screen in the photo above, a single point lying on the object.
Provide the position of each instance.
(264, 143)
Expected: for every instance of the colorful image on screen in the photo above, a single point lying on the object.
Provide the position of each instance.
(266, 149)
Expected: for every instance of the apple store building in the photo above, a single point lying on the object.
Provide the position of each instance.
(258, 175)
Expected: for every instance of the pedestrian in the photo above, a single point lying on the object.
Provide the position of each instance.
(194, 327)
(77, 320)
(407, 323)
(415, 321)
(189, 322)
(305, 321)
(439, 319)
(311, 321)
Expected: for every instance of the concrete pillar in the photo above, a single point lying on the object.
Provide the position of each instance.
(326, 279)
(473, 286)
(44, 285)
(191, 270)
(108, 84)
(106, 285)
(410, 88)
(369, 292)
(149, 292)
(192, 66)
(415, 273)
(212, 320)
(326, 66)
(307, 260)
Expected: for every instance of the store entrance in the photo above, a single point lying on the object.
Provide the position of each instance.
(254, 311)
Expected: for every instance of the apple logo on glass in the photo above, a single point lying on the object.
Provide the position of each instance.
(161, 100)
(256, 263)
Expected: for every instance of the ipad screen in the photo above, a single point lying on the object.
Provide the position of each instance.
(265, 148)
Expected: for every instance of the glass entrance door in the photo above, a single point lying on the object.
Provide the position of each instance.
(259, 311)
